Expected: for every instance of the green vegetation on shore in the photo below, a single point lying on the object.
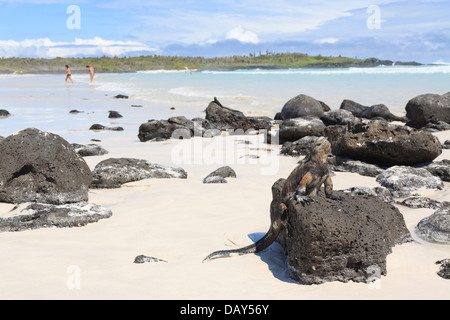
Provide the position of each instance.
(156, 62)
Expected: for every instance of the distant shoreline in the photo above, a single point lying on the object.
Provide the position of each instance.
(189, 64)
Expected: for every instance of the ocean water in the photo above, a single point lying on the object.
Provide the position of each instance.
(44, 101)
(266, 91)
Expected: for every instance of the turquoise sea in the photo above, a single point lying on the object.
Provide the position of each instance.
(266, 91)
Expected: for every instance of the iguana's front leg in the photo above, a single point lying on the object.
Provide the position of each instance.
(329, 190)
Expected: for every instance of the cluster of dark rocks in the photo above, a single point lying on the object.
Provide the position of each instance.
(357, 132)
(99, 127)
(49, 181)
(218, 118)
(369, 140)
(42, 173)
(364, 140)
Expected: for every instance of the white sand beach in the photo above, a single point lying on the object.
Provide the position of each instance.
(180, 221)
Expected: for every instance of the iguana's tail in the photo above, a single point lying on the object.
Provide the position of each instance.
(260, 245)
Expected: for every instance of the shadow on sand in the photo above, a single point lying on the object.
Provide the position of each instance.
(275, 258)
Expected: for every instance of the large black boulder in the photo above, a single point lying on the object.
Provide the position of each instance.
(429, 108)
(301, 106)
(384, 144)
(218, 118)
(37, 166)
(339, 240)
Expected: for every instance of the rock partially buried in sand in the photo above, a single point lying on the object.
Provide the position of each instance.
(362, 168)
(4, 113)
(99, 127)
(114, 114)
(145, 259)
(436, 228)
(27, 216)
(113, 172)
(422, 202)
(37, 166)
(219, 175)
(440, 169)
(444, 271)
(89, 150)
(404, 181)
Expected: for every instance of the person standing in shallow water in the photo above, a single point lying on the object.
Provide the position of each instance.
(68, 74)
(91, 71)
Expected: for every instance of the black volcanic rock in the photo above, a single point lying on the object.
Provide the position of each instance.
(30, 216)
(302, 106)
(339, 240)
(42, 167)
(113, 172)
(429, 108)
(383, 144)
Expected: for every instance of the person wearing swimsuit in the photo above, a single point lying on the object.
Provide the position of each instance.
(68, 74)
(91, 71)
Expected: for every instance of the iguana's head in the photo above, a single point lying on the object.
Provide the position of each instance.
(321, 148)
(321, 145)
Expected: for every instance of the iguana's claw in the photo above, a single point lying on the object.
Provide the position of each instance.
(304, 200)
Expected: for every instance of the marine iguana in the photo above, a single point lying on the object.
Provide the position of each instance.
(304, 181)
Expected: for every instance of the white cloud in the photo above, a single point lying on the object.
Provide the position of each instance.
(46, 48)
(239, 33)
(327, 41)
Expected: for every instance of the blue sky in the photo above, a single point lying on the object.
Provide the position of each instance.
(388, 29)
